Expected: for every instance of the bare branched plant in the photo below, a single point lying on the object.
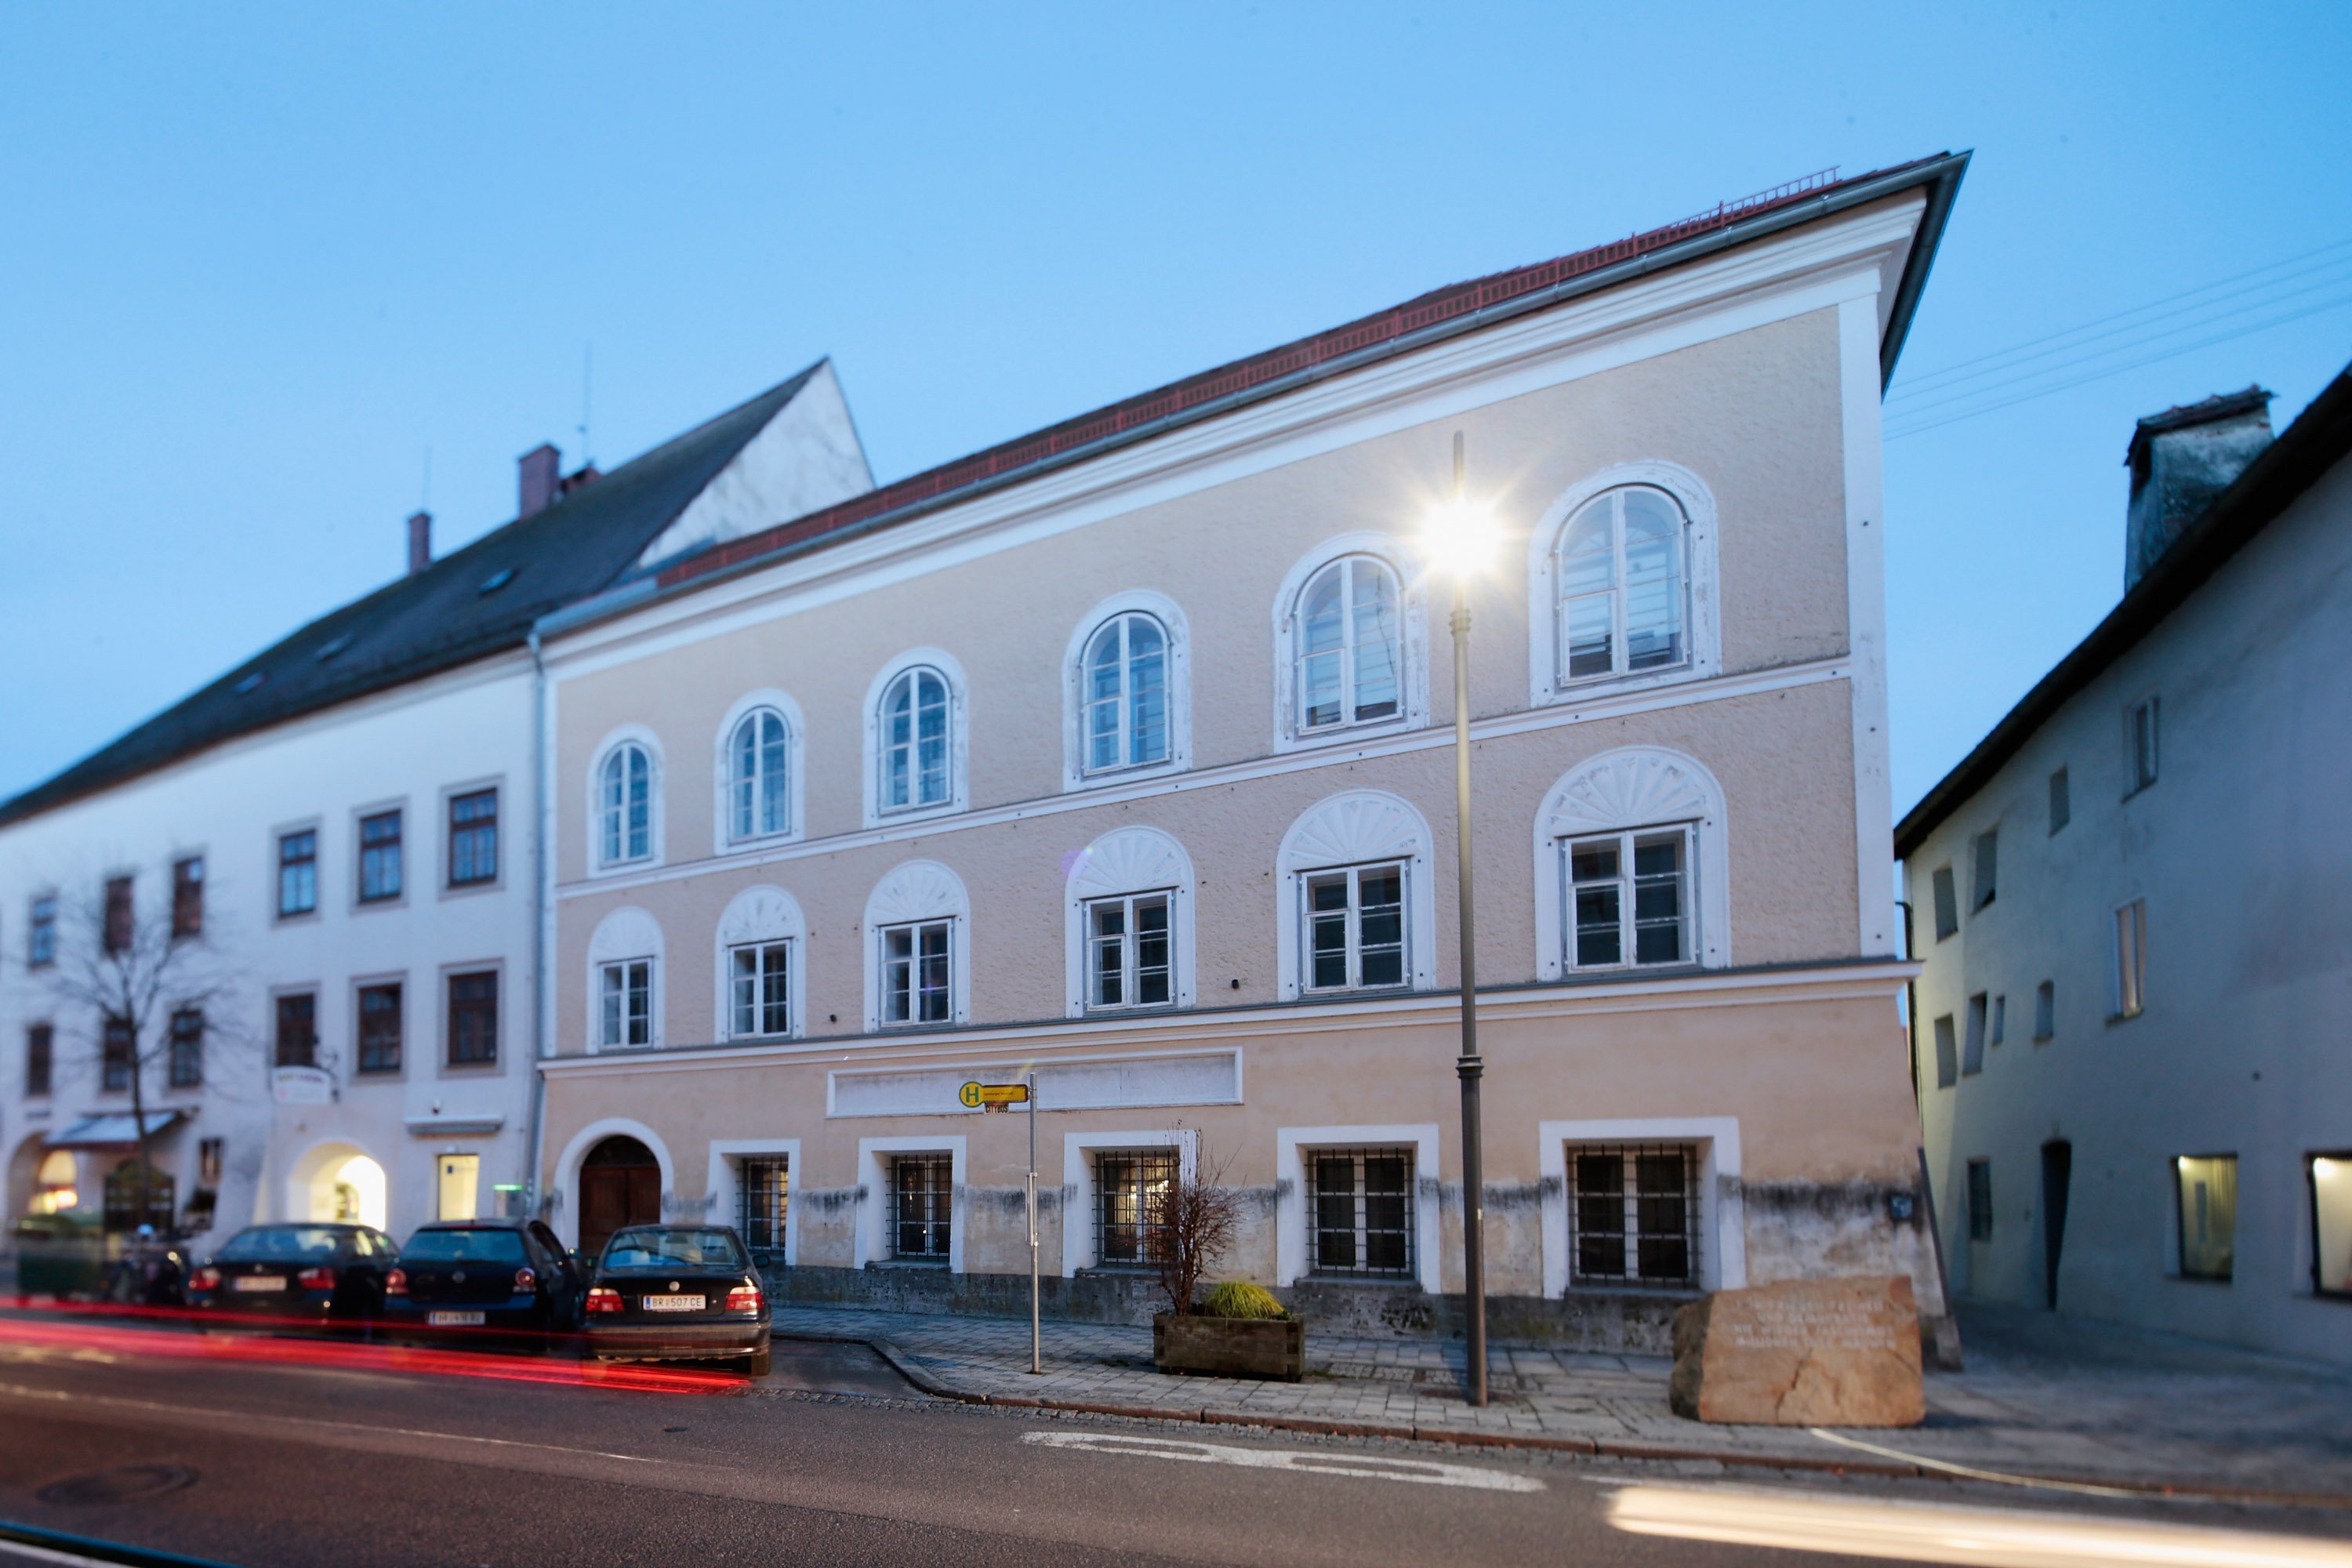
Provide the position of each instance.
(1192, 1220)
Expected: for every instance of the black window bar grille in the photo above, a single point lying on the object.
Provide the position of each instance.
(1633, 1214)
(1360, 1211)
(762, 1188)
(1130, 1186)
(922, 1198)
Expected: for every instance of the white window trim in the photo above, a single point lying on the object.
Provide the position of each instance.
(1622, 790)
(604, 970)
(1544, 683)
(756, 916)
(1291, 1192)
(1080, 1192)
(872, 1240)
(1120, 864)
(911, 891)
(1722, 1214)
(1355, 828)
(722, 818)
(1161, 608)
(566, 1221)
(613, 740)
(959, 738)
(1412, 629)
(724, 1185)
(624, 933)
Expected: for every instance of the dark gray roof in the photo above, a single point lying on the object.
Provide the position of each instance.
(441, 617)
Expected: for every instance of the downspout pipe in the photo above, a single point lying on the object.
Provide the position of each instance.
(535, 1201)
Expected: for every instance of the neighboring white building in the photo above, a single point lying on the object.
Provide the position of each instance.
(2134, 903)
(349, 823)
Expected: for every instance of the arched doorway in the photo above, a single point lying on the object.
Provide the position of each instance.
(340, 1184)
(620, 1184)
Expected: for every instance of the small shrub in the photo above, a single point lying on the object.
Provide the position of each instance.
(1239, 1299)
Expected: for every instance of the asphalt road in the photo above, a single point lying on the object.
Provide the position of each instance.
(271, 1453)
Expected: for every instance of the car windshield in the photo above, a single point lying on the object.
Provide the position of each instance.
(673, 1248)
(288, 1243)
(464, 1247)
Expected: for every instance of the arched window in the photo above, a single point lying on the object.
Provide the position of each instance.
(625, 790)
(1348, 645)
(914, 752)
(1630, 857)
(1624, 585)
(1125, 692)
(759, 792)
(1359, 911)
(1129, 915)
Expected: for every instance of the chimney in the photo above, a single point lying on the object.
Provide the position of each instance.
(2180, 460)
(420, 541)
(539, 466)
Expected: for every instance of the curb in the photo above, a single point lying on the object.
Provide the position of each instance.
(1592, 1447)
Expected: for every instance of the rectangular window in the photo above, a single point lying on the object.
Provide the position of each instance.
(2045, 1010)
(380, 1027)
(625, 991)
(2207, 1187)
(297, 1030)
(297, 872)
(759, 990)
(474, 838)
(915, 970)
(2062, 801)
(118, 1054)
(1972, 1053)
(1355, 928)
(117, 930)
(187, 1063)
(1633, 1214)
(763, 1187)
(208, 1161)
(1980, 1200)
(460, 1186)
(2331, 1223)
(1130, 1188)
(1129, 961)
(41, 933)
(1360, 1211)
(40, 1056)
(1988, 865)
(1948, 904)
(2131, 959)
(1999, 1029)
(922, 1198)
(474, 1019)
(2139, 746)
(380, 858)
(1947, 1054)
(1629, 896)
(188, 896)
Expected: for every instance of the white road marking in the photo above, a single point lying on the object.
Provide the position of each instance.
(1946, 1532)
(1426, 1472)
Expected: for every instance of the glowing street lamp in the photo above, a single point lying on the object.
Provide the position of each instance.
(1459, 541)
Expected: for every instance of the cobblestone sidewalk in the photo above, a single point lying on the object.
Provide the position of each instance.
(2042, 1397)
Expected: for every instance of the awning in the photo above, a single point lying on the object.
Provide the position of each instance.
(111, 1131)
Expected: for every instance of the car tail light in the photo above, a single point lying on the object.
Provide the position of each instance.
(525, 1281)
(204, 1279)
(317, 1279)
(396, 1282)
(603, 1298)
(744, 1299)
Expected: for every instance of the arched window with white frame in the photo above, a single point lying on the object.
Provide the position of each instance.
(1127, 692)
(626, 998)
(1631, 867)
(762, 984)
(1128, 920)
(1359, 898)
(1350, 644)
(759, 776)
(626, 810)
(915, 739)
(917, 940)
(1622, 578)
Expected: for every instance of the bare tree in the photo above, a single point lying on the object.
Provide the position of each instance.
(1191, 1223)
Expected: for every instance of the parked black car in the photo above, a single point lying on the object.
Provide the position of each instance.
(294, 1277)
(475, 1281)
(678, 1292)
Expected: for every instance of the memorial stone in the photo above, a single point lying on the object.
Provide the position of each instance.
(1805, 1352)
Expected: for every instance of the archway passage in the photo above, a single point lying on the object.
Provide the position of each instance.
(620, 1184)
(339, 1184)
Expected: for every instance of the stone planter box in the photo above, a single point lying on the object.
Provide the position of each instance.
(1230, 1347)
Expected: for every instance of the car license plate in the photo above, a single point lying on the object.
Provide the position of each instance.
(258, 1282)
(672, 1304)
(453, 1320)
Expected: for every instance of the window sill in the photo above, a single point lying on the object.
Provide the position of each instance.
(1377, 1281)
(2223, 1280)
(1563, 688)
(468, 890)
(470, 1069)
(1633, 1288)
(2114, 1018)
(297, 918)
(920, 1265)
(368, 906)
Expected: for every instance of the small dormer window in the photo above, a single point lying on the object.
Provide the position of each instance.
(498, 580)
(250, 683)
(332, 645)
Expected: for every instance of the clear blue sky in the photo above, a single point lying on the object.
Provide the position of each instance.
(259, 260)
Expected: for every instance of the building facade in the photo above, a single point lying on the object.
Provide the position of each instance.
(1121, 758)
(2132, 902)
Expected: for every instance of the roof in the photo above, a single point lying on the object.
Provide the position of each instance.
(1441, 312)
(445, 616)
(2289, 466)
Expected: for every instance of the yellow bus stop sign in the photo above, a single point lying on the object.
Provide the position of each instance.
(979, 1094)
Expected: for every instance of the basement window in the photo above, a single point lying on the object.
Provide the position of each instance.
(1633, 1214)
